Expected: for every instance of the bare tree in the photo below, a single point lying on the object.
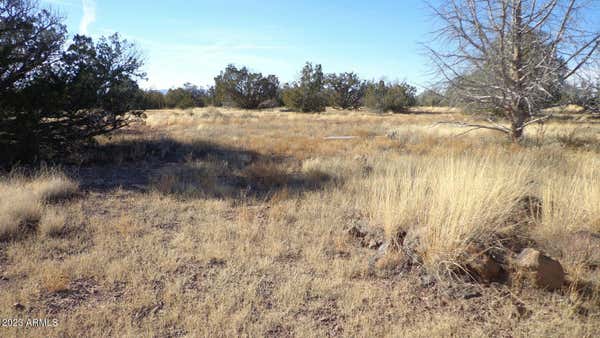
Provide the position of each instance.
(512, 55)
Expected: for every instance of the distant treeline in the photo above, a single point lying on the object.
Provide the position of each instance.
(312, 92)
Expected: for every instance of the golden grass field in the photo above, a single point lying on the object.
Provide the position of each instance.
(222, 222)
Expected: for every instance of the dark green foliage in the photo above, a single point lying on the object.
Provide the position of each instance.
(244, 89)
(346, 90)
(188, 96)
(179, 98)
(30, 40)
(198, 95)
(308, 94)
(52, 102)
(101, 75)
(394, 97)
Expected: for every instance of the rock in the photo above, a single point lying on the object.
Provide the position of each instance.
(539, 269)
(483, 265)
(391, 260)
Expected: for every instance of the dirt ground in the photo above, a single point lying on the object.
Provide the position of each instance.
(221, 222)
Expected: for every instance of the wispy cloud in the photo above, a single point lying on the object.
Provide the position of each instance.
(89, 15)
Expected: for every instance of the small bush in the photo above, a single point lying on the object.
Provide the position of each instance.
(54, 279)
(394, 97)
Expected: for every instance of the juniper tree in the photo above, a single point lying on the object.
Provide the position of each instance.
(308, 93)
(52, 101)
(246, 89)
(347, 90)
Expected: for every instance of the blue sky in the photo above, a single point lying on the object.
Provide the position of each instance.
(191, 41)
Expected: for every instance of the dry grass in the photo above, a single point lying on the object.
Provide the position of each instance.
(52, 223)
(217, 222)
(23, 202)
(451, 201)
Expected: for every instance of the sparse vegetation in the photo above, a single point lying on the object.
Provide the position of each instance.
(251, 219)
(227, 214)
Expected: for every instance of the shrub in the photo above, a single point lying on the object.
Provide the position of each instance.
(307, 94)
(347, 90)
(395, 97)
(245, 89)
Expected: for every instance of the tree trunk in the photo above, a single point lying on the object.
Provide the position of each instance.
(518, 111)
(517, 124)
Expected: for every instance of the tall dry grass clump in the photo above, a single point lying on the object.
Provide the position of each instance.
(52, 187)
(19, 210)
(451, 202)
(571, 198)
(23, 200)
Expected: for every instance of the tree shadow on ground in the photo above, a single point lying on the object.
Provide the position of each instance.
(198, 169)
